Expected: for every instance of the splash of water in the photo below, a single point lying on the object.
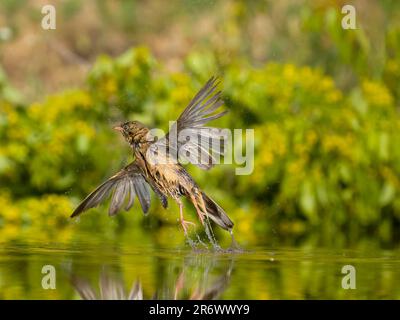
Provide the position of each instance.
(234, 247)
(190, 241)
(198, 245)
(210, 235)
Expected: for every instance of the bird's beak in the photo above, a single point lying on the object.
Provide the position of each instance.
(118, 128)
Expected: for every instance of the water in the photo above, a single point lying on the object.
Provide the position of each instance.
(141, 263)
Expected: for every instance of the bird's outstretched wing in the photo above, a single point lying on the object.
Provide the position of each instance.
(188, 138)
(124, 186)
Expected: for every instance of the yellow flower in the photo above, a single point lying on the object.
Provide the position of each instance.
(376, 94)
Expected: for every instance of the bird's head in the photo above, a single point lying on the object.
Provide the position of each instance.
(134, 132)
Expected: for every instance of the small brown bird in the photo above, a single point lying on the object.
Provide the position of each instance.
(156, 164)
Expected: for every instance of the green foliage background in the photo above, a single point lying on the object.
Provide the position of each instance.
(324, 105)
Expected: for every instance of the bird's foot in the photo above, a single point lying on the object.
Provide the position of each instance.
(185, 224)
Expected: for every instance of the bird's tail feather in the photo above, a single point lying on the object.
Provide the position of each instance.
(216, 213)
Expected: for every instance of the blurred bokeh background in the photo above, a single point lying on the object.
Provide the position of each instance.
(323, 101)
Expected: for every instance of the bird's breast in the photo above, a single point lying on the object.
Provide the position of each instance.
(169, 179)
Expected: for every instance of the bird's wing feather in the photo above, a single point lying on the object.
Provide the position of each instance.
(126, 184)
(194, 142)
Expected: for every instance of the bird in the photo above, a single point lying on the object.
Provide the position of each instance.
(157, 163)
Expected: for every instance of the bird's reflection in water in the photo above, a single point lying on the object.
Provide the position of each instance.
(110, 288)
(199, 278)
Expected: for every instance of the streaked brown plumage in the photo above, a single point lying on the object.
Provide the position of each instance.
(166, 178)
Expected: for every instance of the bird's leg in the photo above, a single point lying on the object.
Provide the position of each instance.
(203, 205)
(198, 210)
(184, 223)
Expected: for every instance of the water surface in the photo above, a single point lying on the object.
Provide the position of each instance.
(133, 261)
